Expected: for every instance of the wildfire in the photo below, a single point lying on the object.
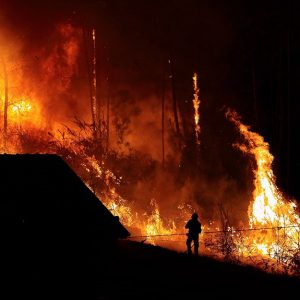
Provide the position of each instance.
(273, 221)
(24, 113)
(119, 207)
(21, 107)
(269, 209)
(22, 98)
(148, 224)
(154, 224)
(196, 102)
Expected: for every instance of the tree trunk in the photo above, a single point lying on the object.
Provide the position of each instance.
(175, 112)
(107, 119)
(5, 122)
(163, 122)
(95, 104)
(87, 57)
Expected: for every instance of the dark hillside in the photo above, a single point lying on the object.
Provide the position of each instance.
(137, 271)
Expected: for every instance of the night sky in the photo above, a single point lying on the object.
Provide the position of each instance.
(246, 54)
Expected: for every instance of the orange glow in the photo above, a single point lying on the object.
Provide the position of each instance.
(24, 113)
(154, 224)
(21, 107)
(26, 98)
(269, 208)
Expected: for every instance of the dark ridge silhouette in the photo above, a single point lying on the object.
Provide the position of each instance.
(144, 271)
(48, 215)
(42, 196)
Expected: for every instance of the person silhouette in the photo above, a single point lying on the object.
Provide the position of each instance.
(194, 227)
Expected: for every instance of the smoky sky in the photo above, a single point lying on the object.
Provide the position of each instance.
(246, 54)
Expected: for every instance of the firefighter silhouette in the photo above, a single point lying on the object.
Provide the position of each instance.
(194, 227)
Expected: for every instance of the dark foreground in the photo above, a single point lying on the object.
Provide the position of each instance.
(56, 243)
(133, 270)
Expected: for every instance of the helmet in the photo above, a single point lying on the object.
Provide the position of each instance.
(195, 216)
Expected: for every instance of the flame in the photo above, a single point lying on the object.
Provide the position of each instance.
(196, 102)
(155, 225)
(269, 208)
(49, 75)
(38, 81)
(21, 107)
(22, 115)
(95, 113)
(148, 224)
(119, 207)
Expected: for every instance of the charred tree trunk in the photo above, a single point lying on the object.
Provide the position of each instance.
(163, 122)
(175, 112)
(95, 103)
(90, 80)
(107, 117)
(5, 122)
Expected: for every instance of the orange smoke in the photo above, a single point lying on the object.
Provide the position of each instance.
(59, 63)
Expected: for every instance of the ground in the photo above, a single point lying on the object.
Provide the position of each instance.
(132, 270)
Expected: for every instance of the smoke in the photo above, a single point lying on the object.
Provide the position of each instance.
(58, 68)
(205, 178)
